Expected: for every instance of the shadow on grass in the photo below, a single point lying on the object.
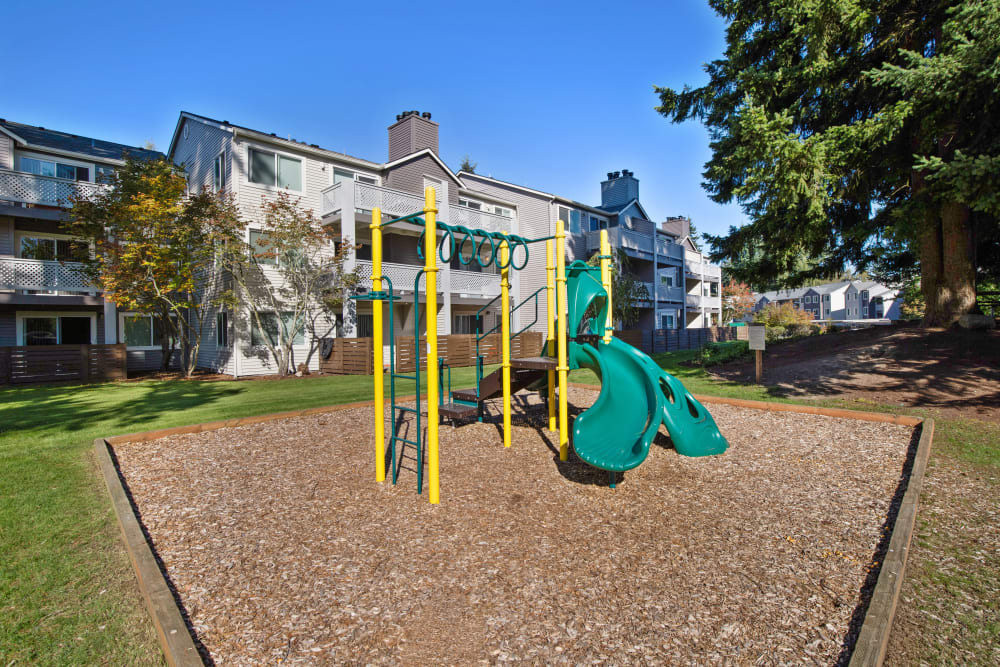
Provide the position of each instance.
(120, 407)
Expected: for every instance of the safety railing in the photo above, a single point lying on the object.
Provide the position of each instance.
(39, 274)
(27, 188)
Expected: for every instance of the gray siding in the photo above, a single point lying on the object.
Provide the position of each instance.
(409, 177)
(6, 236)
(251, 195)
(534, 220)
(198, 152)
(6, 152)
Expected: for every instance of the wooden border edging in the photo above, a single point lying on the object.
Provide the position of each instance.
(873, 640)
(179, 647)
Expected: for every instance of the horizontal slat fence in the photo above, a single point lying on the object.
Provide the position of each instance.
(61, 363)
(350, 356)
(460, 349)
(671, 340)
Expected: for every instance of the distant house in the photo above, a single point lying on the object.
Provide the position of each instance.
(845, 300)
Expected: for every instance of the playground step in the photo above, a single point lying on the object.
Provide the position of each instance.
(468, 395)
(457, 410)
(535, 363)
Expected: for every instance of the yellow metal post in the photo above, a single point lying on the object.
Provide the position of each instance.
(550, 336)
(505, 336)
(609, 325)
(430, 276)
(561, 362)
(376, 228)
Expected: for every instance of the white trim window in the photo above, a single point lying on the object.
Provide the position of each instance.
(572, 218)
(340, 175)
(261, 249)
(56, 328)
(667, 278)
(274, 170)
(469, 203)
(141, 331)
(222, 329)
(40, 167)
(270, 322)
(668, 321)
(219, 172)
(464, 324)
(61, 247)
(597, 224)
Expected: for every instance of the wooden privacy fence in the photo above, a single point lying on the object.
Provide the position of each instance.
(670, 340)
(350, 356)
(460, 349)
(61, 363)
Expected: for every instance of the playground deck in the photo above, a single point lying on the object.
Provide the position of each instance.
(281, 546)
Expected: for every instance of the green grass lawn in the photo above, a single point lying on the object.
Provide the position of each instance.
(67, 592)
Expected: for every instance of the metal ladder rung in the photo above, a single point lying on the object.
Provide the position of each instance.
(405, 409)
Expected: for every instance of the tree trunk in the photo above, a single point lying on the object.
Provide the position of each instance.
(947, 266)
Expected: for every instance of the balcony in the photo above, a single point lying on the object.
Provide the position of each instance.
(701, 269)
(622, 238)
(401, 275)
(473, 284)
(36, 274)
(26, 188)
(666, 293)
(699, 302)
(669, 250)
(395, 203)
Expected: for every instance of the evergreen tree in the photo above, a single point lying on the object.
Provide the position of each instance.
(468, 166)
(858, 132)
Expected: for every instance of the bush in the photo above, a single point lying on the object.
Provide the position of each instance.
(773, 334)
(721, 353)
(782, 315)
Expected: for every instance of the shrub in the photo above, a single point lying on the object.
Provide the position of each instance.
(721, 353)
(782, 315)
(772, 334)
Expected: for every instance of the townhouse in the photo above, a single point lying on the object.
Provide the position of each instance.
(839, 301)
(44, 300)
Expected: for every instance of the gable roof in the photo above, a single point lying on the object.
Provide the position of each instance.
(422, 153)
(618, 208)
(225, 125)
(32, 136)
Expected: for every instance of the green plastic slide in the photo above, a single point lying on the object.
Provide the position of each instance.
(636, 394)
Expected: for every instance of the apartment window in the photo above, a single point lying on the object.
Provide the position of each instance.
(104, 174)
(261, 248)
(505, 212)
(667, 321)
(219, 173)
(44, 329)
(596, 224)
(468, 203)
(59, 170)
(144, 331)
(465, 324)
(713, 289)
(864, 295)
(571, 218)
(222, 329)
(366, 325)
(667, 278)
(272, 329)
(341, 175)
(63, 250)
(275, 170)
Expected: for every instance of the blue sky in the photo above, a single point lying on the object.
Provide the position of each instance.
(550, 95)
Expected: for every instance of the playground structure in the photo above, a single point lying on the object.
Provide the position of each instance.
(614, 434)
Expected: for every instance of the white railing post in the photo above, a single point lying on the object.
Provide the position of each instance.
(444, 268)
(348, 234)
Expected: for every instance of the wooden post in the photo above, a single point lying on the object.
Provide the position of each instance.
(759, 355)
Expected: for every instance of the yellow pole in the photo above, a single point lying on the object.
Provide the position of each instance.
(561, 362)
(376, 228)
(550, 336)
(430, 272)
(609, 326)
(505, 336)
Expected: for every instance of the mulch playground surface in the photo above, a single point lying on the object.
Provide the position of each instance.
(283, 548)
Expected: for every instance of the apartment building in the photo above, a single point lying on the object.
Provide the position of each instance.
(839, 301)
(684, 289)
(44, 300)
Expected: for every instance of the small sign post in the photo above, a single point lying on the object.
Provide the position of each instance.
(756, 341)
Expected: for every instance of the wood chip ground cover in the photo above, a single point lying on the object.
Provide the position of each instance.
(283, 548)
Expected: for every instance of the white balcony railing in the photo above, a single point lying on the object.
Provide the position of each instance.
(700, 269)
(698, 301)
(666, 249)
(26, 188)
(665, 293)
(473, 219)
(401, 275)
(475, 284)
(365, 197)
(37, 274)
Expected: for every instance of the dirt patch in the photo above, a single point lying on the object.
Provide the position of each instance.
(282, 547)
(954, 371)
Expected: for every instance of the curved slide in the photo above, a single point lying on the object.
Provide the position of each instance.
(636, 397)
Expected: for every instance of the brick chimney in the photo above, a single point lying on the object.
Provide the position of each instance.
(620, 188)
(677, 225)
(413, 131)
